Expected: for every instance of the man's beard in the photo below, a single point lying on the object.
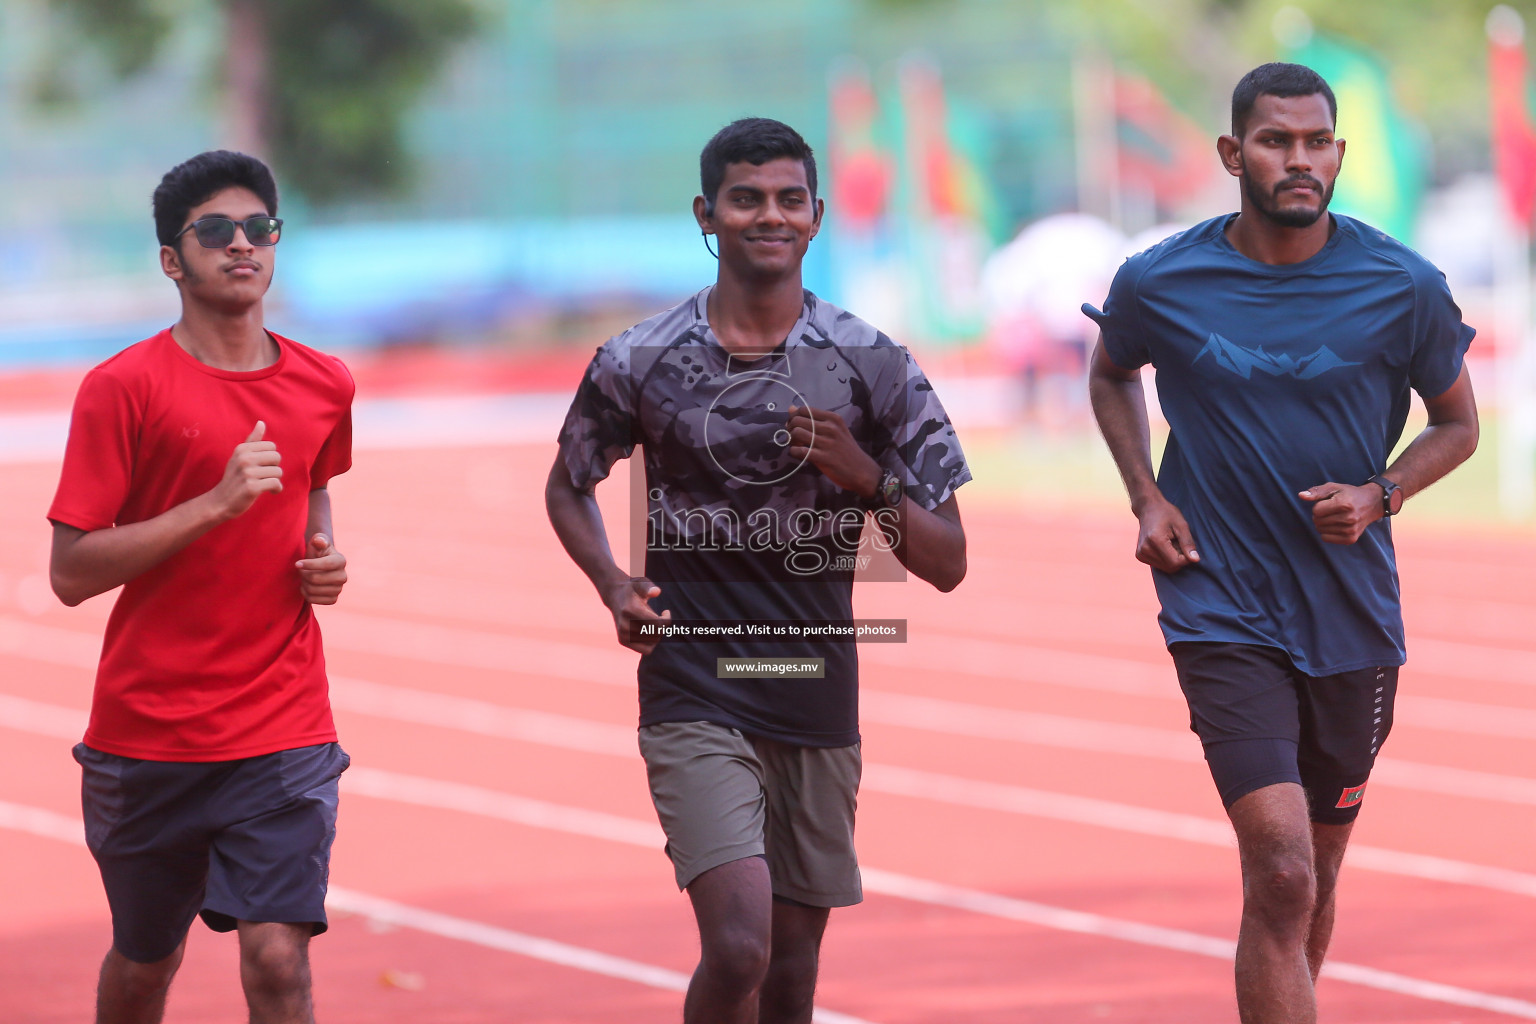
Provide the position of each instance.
(1288, 217)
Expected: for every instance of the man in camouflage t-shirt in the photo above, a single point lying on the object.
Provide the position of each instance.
(772, 423)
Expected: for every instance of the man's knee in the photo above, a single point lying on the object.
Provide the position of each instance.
(1281, 885)
(737, 957)
(142, 979)
(275, 958)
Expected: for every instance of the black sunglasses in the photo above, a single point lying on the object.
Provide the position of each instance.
(218, 232)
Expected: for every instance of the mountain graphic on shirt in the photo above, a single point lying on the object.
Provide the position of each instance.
(1243, 361)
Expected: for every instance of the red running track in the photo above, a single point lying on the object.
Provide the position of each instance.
(1028, 758)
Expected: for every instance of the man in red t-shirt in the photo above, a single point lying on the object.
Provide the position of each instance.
(195, 478)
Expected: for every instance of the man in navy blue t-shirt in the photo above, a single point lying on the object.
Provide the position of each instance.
(1285, 340)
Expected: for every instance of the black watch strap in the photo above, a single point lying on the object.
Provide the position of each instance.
(1391, 495)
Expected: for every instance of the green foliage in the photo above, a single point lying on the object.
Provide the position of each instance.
(129, 32)
(1435, 52)
(340, 75)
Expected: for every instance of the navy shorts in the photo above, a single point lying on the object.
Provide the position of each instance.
(246, 840)
(1262, 721)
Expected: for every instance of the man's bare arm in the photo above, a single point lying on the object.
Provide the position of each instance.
(1120, 407)
(1342, 511)
(930, 544)
(323, 569)
(86, 563)
(578, 522)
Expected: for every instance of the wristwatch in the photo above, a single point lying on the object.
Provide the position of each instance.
(1391, 495)
(888, 492)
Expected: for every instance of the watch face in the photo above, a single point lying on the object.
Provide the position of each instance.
(890, 490)
(1391, 496)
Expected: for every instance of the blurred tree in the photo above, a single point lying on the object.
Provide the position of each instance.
(320, 88)
(1435, 52)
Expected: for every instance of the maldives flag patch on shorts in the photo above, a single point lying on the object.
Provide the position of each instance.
(1352, 796)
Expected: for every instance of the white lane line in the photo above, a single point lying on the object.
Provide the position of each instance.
(49, 825)
(945, 654)
(422, 707)
(1472, 661)
(928, 713)
(490, 803)
(40, 822)
(548, 950)
(994, 905)
(477, 716)
(469, 648)
(634, 832)
(995, 796)
(34, 716)
(603, 738)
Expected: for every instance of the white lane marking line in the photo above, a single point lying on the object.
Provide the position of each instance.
(490, 803)
(909, 711)
(40, 822)
(994, 796)
(482, 717)
(472, 648)
(422, 707)
(918, 890)
(49, 825)
(469, 648)
(548, 950)
(390, 424)
(619, 741)
(531, 946)
(994, 905)
(33, 716)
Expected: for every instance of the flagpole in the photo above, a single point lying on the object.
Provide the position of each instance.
(1517, 410)
(1515, 357)
(1097, 148)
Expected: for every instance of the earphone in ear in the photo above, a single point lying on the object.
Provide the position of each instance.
(709, 212)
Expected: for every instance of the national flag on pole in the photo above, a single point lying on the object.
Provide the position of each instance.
(862, 171)
(1514, 137)
(1158, 145)
(1384, 169)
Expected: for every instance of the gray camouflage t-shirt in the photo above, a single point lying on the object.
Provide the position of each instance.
(737, 530)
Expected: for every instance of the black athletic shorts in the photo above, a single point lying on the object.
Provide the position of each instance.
(246, 840)
(1262, 721)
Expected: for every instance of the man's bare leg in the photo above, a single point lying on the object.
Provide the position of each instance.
(733, 904)
(129, 992)
(1328, 843)
(1274, 840)
(789, 991)
(274, 971)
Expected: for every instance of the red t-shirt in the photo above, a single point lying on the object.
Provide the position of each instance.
(213, 654)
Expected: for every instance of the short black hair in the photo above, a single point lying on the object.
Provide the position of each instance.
(1277, 79)
(753, 140)
(198, 179)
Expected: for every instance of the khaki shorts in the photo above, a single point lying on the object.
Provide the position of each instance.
(722, 796)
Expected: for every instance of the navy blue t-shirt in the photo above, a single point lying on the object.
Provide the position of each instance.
(1274, 379)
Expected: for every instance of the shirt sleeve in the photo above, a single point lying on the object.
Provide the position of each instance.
(599, 429)
(915, 438)
(99, 456)
(1440, 338)
(1120, 319)
(335, 455)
